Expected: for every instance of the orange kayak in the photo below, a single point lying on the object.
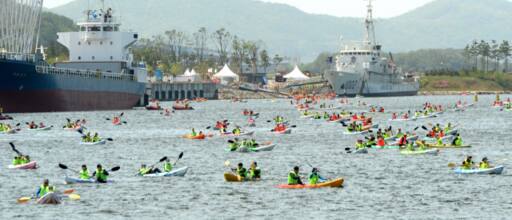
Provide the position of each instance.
(331, 183)
(198, 137)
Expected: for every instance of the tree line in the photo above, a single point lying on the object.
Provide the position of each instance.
(174, 51)
(488, 56)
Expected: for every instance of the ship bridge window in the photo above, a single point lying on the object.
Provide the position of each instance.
(107, 28)
(79, 43)
(94, 28)
(79, 57)
(82, 28)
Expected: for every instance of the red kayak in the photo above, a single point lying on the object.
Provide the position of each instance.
(287, 131)
(182, 107)
(153, 108)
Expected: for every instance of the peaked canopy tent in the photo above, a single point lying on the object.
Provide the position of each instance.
(296, 75)
(188, 76)
(226, 76)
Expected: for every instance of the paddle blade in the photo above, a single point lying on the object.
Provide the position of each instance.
(74, 196)
(108, 119)
(121, 115)
(208, 127)
(181, 155)
(163, 159)
(227, 163)
(68, 191)
(23, 199)
(62, 166)
(114, 169)
(110, 139)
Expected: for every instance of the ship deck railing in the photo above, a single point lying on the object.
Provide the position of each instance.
(44, 69)
(18, 57)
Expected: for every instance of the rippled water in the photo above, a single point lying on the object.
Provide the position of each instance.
(382, 184)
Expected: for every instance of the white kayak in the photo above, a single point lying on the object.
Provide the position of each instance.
(494, 170)
(101, 142)
(50, 198)
(176, 172)
(12, 131)
(41, 129)
(361, 151)
(420, 152)
(448, 138)
(267, 147)
(403, 119)
(72, 180)
(229, 134)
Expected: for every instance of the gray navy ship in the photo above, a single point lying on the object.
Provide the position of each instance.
(360, 69)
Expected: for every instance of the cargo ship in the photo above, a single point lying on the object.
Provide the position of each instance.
(99, 75)
(361, 69)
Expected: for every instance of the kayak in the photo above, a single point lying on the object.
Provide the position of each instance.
(5, 117)
(420, 152)
(403, 119)
(386, 147)
(27, 166)
(307, 116)
(181, 107)
(72, 180)
(176, 172)
(410, 139)
(338, 120)
(73, 129)
(287, 131)
(117, 123)
(268, 147)
(40, 129)
(232, 177)
(153, 108)
(445, 138)
(229, 134)
(198, 137)
(355, 132)
(361, 151)
(447, 146)
(101, 142)
(50, 198)
(331, 183)
(494, 170)
(12, 131)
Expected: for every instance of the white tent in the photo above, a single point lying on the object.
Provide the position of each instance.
(188, 76)
(296, 74)
(226, 76)
(187, 72)
(191, 73)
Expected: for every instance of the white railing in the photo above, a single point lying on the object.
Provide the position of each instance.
(18, 57)
(83, 73)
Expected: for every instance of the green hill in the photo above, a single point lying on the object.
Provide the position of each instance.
(289, 31)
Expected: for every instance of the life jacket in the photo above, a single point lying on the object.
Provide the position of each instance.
(84, 174)
(293, 179)
(402, 141)
(241, 172)
(484, 165)
(167, 167)
(101, 176)
(43, 191)
(313, 178)
(381, 142)
(359, 145)
(255, 173)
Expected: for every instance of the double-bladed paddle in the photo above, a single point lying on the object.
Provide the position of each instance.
(14, 149)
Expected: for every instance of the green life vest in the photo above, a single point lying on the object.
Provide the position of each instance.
(167, 167)
(233, 146)
(439, 141)
(100, 176)
(458, 142)
(255, 173)
(359, 145)
(84, 174)
(293, 179)
(241, 172)
(313, 178)
(144, 171)
(43, 191)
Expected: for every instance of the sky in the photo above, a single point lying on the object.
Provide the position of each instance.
(340, 8)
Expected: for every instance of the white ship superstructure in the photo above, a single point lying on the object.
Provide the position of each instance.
(361, 69)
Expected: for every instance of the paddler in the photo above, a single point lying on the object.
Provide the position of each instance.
(44, 189)
(100, 174)
(233, 145)
(96, 138)
(237, 130)
(421, 145)
(32, 125)
(16, 161)
(359, 144)
(294, 177)
(167, 166)
(484, 164)
(41, 125)
(448, 128)
(193, 134)
(143, 170)
(467, 163)
(84, 173)
(87, 137)
(241, 171)
(254, 171)
(314, 177)
(457, 141)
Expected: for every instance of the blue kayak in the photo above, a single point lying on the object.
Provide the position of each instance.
(494, 170)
